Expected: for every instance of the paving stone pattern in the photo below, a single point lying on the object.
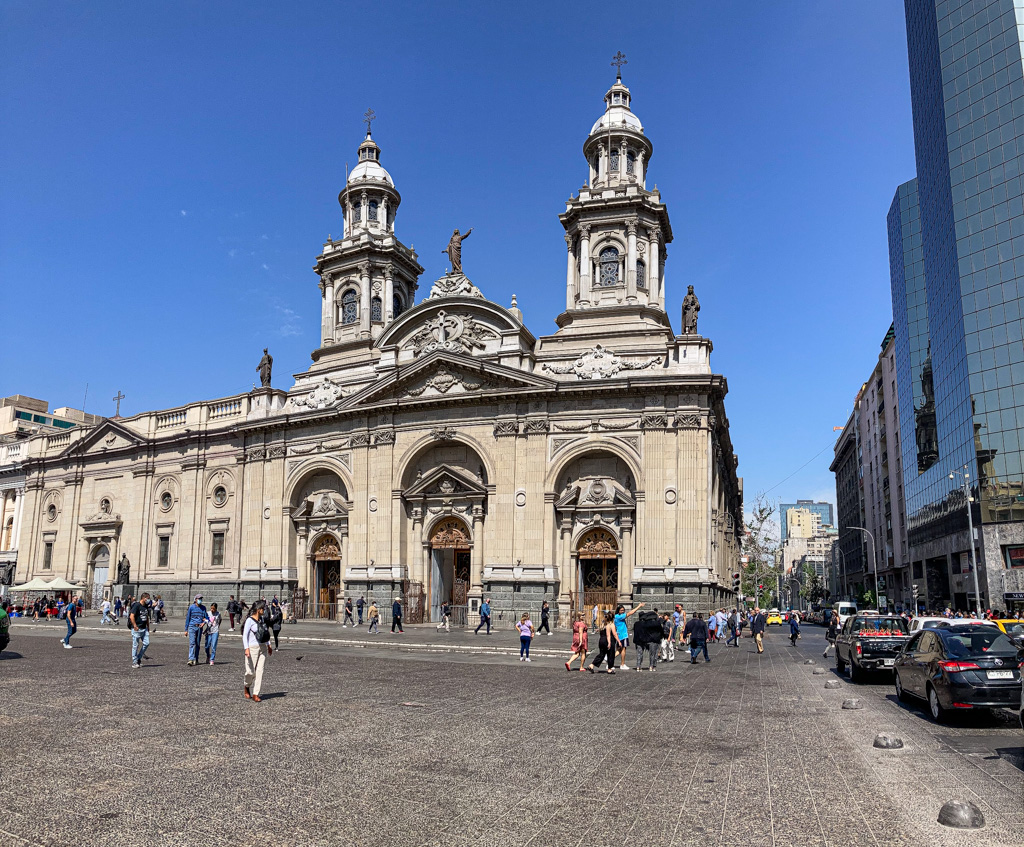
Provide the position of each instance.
(749, 750)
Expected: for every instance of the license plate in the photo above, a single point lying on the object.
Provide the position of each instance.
(1000, 674)
(888, 663)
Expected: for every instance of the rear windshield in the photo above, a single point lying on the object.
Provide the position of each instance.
(1015, 628)
(896, 626)
(976, 641)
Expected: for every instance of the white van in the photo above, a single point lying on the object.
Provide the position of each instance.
(844, 609)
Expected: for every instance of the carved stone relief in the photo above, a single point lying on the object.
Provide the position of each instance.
(452, 332)
(327, 394)
(506, 428)
(601, 363)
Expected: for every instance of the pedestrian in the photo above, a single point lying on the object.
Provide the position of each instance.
(647, 638)
(71, 618)
(830, 634)
(118, 607)
(722, 619)
(525, 627)
(678, 622)
(275, 619)
(348, 613)
(195, 617)
(606, 646)
(446, 617)
(256, 643)
(733, 624)
(757, 626)
(668, 646)
(374, 618)
(622, 631)
(105, 607)
(359, 609)
(396, 615)
(485, 616)
(545, 611)
(138, 623)
(213, 620)
(794, 628)
(579, 642)
(232, 611)
(696, 630)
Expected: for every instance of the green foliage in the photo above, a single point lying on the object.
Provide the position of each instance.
(761, 546)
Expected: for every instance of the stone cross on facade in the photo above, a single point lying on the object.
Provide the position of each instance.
(118, 399)
(369, 116)
(619, 59)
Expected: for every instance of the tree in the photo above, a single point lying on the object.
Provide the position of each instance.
(812, 588)
(761, 546)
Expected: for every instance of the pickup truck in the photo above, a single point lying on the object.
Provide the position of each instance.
(869, 642)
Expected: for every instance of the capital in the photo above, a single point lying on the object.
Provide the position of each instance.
(585, 230)
(654, 233)
(568, 241)
(389, 271)
(364, 268)
(631, 226)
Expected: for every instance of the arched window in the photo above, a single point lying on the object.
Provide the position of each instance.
(396, 305)
(630, 162)
(641, 274)
(609, 267)
(372, 214)
(357, 211)
(615, 160)
(349, 307)
(376, 309)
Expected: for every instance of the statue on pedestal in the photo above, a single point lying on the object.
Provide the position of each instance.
(264, 367)
(691, 305)
(454, 249)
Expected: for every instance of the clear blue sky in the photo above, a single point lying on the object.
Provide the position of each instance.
(170, 171)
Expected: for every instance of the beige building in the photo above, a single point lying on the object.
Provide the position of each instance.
(803, 523)
(436, 449)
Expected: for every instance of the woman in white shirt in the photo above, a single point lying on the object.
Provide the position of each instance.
(255, 652)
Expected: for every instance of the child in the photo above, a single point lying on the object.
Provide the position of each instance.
(579, 642)
(525, 627)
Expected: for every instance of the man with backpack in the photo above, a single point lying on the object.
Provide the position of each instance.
(734, 629)
(233, 610)
(647, 637)
(256, 644)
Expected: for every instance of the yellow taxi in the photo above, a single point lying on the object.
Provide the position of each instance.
(774, 617)
(1012, 627)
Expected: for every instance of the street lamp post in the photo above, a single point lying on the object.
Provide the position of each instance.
(874, 562)
(966, 474)
(842, 584)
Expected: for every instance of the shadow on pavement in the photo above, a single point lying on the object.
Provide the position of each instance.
(10, 654)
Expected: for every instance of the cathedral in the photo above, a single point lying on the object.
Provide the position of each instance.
(436, 451)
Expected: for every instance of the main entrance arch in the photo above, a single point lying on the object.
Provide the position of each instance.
(326, 576)
(99, 567)
(450, 566)
(598, 559)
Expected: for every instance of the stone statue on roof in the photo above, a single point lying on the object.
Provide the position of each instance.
(454, 249)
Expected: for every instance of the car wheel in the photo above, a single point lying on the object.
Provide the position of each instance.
(856, 674)
(934, 707)
(901, 693)
(840, 664)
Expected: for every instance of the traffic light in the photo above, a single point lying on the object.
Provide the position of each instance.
(760, 587)
(736, 583)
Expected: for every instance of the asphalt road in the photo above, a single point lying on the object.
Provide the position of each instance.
(399, 743)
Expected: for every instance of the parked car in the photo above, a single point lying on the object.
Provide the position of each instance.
(938, 622)
(960, 667)
(869, 643)
(1013, 628)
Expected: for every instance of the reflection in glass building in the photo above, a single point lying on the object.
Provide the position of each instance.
(956, 242)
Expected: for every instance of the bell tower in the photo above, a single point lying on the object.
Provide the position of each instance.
(616, 229)
(368, 277)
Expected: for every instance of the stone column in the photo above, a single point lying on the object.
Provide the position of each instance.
(626, 563)
(622, 160)
(389, 293)
(641, 177)
(476, 563)
(382, 214)
(662, 255)
(602, 162)
(585, 265)
(631, 225)
(570, 275)
(328, 308)
(364, 210)
(364, 298)
(653, 259)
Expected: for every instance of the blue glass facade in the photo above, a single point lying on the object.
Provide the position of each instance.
(956, 240)
(823, 510)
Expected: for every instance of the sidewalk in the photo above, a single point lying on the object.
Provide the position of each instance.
(418, 637)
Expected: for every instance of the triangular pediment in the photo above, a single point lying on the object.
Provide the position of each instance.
(444, 375)
(107, 436)
(600, 493)
(446, 481)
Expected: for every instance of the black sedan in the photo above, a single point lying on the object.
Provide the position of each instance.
(962, 667)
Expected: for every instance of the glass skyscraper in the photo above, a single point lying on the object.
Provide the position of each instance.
(956, 244)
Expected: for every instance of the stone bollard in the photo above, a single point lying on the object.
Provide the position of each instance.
(853, 703)
(885, 741)
(817, 671)
(808, 661)
(833, 683)
(961, 814)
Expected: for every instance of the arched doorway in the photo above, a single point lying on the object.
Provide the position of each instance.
(597, 573)
(450, 559)
(99, 563)
(326, 576)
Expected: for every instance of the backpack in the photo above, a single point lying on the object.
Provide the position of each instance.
(262, 632)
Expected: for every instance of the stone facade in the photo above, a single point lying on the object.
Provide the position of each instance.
(438, 451)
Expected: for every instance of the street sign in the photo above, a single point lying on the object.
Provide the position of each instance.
(1013, 595)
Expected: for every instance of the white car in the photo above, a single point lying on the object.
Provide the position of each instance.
(844, 609)
(941, 623)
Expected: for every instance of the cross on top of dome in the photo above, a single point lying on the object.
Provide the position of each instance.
(619, 59)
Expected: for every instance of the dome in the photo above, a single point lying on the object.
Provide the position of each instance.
(370, 169)
(615, 118)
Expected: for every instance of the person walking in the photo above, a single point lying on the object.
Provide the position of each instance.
(794, 628)
(678, 622)
(232, 611)
(118, 608)
(71, 618)
(696, 630)
(525, 627)
(213, 621)
(105, 607)
(647, 638)
(757, 625)
(396, 615)
(446, 617)
(830, 634)
(734, 629)
(274, 621)
(348, 613)
(256, 643)
(195, 617)
(374, 619)
(606, 646)
(485, 616)
(668, 642)
(622, 630)
(545, 612)
(138, 623)
(579, 642)
(360, 603)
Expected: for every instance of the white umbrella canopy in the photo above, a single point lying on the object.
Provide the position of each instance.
(61, 584)
(35, 584)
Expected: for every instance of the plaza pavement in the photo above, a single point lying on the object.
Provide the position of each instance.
(392, 744)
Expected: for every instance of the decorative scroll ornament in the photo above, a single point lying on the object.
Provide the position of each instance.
(506, 428)
(327, 549)
(600, 363)
(442, 380)
(454, 333)
(443, 434)
(654, 421)
(598, 542)
(454, 285)
(324, 396)
(449, 533)
(687, 421)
